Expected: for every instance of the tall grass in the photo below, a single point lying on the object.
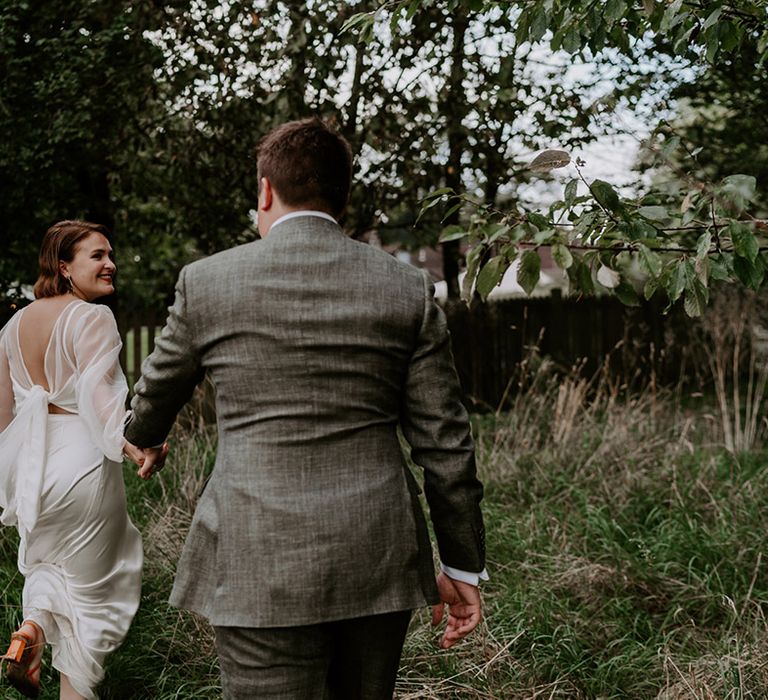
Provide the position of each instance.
(624, 547)
(167, 654)
(733, 336)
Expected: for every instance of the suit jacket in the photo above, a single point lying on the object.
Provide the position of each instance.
(319, 347)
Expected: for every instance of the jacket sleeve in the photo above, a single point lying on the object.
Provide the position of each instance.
(436, 425)
(168, 377)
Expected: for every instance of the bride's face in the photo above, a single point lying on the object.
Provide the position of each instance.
(92, 270)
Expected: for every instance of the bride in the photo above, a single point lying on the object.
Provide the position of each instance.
(62, 408)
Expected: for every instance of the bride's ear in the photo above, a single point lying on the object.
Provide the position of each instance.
(63, 269)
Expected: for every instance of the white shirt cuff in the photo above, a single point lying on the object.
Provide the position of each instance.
(473, 579)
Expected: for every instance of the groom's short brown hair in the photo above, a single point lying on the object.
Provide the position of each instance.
(307, 164)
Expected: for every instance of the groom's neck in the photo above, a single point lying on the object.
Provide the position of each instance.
(280, 210)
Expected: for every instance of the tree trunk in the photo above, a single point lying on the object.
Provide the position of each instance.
(455, 109)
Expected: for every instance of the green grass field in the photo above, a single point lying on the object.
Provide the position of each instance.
(625, 553)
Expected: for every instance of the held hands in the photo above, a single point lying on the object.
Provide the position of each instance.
(464, 609)
(135, 454)
(148, 459)
(154, 461)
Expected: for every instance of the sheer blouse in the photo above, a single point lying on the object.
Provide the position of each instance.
(84, 377)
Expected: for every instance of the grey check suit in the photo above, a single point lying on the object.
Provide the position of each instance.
(319, 348)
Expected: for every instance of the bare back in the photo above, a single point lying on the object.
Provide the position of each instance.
(35, 331)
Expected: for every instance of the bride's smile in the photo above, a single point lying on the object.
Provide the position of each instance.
(92, 270)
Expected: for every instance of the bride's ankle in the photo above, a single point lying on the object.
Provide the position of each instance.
(33, 630)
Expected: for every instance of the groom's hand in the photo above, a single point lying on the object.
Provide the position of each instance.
(464, 609)
(154, 460)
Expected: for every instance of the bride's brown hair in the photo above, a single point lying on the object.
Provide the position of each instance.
(59, 245)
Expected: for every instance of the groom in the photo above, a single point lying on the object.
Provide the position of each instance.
(308, 549)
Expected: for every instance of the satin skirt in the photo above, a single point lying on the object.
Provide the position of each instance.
(82, 561)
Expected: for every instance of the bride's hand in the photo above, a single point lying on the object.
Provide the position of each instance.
(135, 454)
(154, 460)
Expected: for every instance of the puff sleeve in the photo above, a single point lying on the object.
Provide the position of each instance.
(7, 401)
(100, 388)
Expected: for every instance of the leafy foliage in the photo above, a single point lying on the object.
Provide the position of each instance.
(669, 242)
(634, 248)
(146, 118)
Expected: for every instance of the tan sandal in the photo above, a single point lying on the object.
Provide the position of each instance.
(22, 653)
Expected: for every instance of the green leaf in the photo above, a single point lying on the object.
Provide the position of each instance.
(605, 195)
(712, 19)
(413, 8)
(452, 210)
(497, 231)
(523, 28)
(744, 242)
(571, 190)
(474, 256)
(453, 233)
(584, 224)
(728, 35)
(544, 237)
(614, 9)
(562, 256)
(651, 285)
(358, 20)
(712, 44)
(539, 24)
(651, 261)
(654, 213)
(580, 277)
(703, 244)
(539, 221)
(672, 16)
(491, 274)
(721, 267)
(572, 39)
(693, 303)
(676, 281)
(426, 207)
(749, 272)
(438, 193)
(762, 44)
(641, 229)
(626, 294)
(702, 267)
(529, 271)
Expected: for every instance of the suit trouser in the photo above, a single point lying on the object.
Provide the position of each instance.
(355, 659)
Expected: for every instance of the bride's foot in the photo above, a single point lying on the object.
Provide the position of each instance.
(22, 660)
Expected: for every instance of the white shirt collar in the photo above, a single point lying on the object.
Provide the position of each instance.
(304, 212)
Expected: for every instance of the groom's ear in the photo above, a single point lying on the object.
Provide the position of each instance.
(265, 194)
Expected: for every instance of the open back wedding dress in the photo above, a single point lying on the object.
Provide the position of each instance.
(61, 485)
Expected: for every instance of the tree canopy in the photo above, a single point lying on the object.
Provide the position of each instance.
(675, 239)
(145, 117)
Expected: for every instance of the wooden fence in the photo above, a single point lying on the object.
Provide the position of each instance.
(633, 343)
(138, 332)
(489, 341)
